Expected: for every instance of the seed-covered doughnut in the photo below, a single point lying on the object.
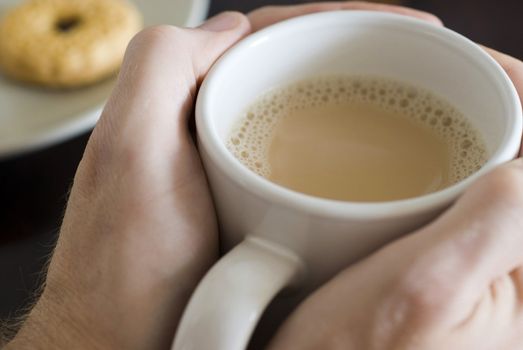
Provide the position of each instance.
(66, 43)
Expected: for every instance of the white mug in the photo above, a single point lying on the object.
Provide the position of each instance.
(280, 237)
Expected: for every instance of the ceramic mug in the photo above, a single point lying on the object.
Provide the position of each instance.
(283, 238)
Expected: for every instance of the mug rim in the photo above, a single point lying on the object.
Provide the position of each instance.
(229, 165)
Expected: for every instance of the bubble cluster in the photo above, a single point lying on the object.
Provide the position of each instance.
(251, 137)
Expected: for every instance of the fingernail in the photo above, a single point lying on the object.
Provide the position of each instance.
(221, 22)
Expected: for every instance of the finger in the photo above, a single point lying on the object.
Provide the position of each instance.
(158, 81)
(268, 15)
(481, 237)
(514, 69)
(512, 66)
(447, 266)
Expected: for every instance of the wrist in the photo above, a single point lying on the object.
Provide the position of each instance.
(53, 325)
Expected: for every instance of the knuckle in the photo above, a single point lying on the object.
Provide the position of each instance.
(411, 305)
(425, 296)
(426, 290)
(155, 36)
(153, 44)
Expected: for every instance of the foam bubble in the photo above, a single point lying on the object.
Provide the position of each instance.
(468, 152)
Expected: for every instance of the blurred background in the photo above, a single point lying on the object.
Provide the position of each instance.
(34, 185)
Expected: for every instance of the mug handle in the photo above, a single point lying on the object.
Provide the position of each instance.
(227, 304)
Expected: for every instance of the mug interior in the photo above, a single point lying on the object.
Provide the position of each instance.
(362, 43)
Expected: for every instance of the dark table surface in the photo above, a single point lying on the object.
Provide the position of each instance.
(34, 186)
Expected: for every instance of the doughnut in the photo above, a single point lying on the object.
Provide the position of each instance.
(66, 43)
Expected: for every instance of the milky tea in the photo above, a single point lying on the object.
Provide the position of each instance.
(357, 139)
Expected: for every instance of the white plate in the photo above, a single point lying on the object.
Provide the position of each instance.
(32, 118)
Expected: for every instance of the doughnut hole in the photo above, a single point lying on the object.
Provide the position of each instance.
(66, 24)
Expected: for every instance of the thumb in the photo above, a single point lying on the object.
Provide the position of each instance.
(158, 81)
(220, 32)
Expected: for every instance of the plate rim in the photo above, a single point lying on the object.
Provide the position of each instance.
(85, 121)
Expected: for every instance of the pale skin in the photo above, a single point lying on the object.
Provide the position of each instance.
(140, 231)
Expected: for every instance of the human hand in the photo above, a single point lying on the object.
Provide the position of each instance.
(131, 247)
(139, 230)
(455, 284)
